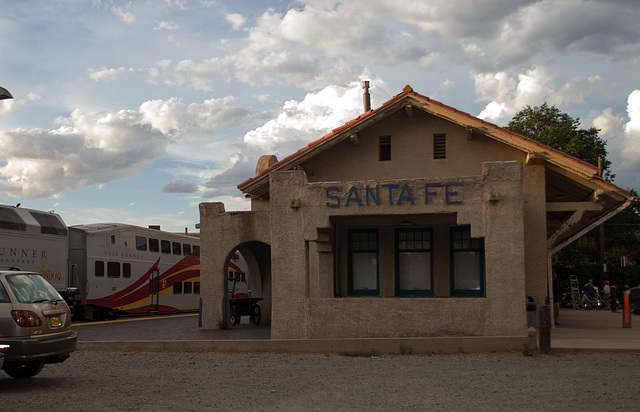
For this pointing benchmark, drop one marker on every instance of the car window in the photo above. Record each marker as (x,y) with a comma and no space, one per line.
(31,288)
(4,297)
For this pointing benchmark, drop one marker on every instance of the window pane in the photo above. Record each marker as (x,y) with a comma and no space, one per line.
(126,270)
(113,269)
(186,249)
(196,288)
(196,251)
(165,246)
(31,288)
(177,248)
(365,271)
(141,243)
(467,266)
(154,245)
(177,288)
(187,287)
(99,268)
(4,296)
(415,271)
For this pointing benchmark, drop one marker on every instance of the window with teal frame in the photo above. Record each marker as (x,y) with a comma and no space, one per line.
(467,263)
(414,262)
(363,262)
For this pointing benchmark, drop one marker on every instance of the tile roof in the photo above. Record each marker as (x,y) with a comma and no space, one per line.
(516,140)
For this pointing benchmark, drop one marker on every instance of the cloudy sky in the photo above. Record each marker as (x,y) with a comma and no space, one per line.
(137,111)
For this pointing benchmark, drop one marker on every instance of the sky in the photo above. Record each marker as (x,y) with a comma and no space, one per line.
(138,111)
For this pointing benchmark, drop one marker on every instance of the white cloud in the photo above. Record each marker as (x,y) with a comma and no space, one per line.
(91,148)
(166,25)
(237,20)
(310,119)
(631,145)
(507,95)
(607,123)
(172,117)
(125,16)
(11,106)
(575,90)
(99,147)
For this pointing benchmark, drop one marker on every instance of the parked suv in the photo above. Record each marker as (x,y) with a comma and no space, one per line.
(35,324)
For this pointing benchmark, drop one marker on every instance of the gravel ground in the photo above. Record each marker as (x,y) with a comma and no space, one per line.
(101,381)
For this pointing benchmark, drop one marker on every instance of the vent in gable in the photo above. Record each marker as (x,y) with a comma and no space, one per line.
(385,148)
(439,146)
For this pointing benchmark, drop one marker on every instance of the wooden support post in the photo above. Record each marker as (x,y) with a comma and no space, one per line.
(544,329)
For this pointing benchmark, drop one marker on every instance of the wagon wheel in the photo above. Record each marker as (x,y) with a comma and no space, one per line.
(256,315)
(235,317)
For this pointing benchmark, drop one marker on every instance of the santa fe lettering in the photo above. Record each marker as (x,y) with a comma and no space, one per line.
(396,194)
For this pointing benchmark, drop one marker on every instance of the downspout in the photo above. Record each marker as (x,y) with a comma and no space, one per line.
(572,239)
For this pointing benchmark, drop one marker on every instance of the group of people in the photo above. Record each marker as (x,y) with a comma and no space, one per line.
(590,291)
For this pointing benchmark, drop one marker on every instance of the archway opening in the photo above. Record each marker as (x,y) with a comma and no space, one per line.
(248,274)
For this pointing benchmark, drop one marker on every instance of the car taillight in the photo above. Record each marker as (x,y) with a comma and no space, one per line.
(26,318)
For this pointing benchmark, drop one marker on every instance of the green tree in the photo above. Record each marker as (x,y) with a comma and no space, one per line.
(548,125)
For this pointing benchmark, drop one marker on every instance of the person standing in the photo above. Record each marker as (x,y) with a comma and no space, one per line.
(590,290)
(606,294)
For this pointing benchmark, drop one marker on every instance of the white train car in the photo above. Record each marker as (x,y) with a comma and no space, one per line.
(36,241)
(131,269)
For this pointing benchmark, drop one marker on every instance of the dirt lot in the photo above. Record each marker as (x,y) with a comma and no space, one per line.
(100,381)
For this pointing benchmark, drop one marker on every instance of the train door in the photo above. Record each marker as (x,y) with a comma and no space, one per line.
(154,290)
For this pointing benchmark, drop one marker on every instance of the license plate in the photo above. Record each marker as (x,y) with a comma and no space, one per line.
(55,321)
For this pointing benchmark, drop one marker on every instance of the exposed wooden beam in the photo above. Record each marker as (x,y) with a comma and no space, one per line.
(534,158)
(409,109)
(573,206)
(565,228)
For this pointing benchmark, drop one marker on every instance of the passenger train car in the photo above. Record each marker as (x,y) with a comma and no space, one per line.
(130,269)
(36,241)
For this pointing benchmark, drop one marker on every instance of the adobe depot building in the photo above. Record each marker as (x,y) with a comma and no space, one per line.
(412,220)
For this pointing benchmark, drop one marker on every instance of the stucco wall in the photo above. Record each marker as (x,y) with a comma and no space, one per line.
(220,234)
(411,152)
(492,205)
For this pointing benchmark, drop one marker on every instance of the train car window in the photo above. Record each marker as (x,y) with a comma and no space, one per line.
(126,270)
(113,269)
(99,268)
(196,250)
(154,245)
(165,246)
(141,243)
(9,219)
(113,239)
(186,249)
(177,248)
(50,224)
(186,287)
(196,288)
(177,288)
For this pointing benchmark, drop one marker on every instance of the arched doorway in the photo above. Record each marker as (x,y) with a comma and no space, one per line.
(249,282)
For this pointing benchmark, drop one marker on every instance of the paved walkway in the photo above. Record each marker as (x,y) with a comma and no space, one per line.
(579,331)
(595,330)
